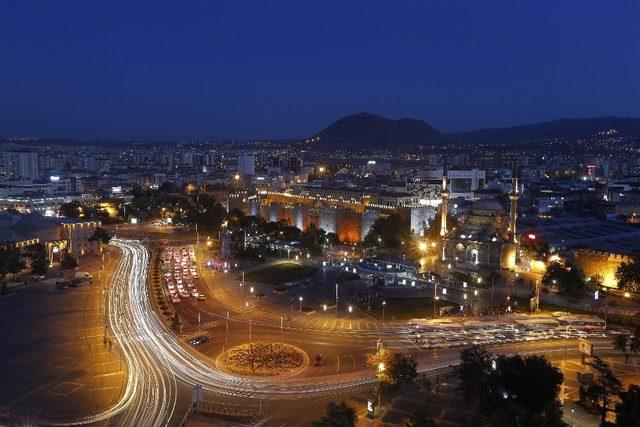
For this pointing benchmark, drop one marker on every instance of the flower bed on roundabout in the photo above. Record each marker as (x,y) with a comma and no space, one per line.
(263,359)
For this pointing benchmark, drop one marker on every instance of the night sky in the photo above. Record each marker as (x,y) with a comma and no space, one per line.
(213,69)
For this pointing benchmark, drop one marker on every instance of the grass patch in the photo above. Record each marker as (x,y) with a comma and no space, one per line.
(280,273)
(407,308)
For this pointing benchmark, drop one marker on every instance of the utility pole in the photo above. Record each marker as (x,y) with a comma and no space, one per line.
(336,300)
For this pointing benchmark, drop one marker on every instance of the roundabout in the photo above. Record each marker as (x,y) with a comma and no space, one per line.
(263,359)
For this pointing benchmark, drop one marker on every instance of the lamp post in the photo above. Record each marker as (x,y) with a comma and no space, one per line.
(300,299)
(381,368)
(435,298)
(383,304)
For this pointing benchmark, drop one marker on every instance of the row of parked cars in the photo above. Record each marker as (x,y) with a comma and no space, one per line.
(180,273)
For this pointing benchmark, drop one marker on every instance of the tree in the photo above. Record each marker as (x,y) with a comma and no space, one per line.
(100,234)
(475,365)
(519,391)
(621,343)
(523,390)
(71,209)
(10,262)
(391,369)
(311,239)
(176,322)
(341,415)
(332,239)
(68,262)
(420,417)
(39,259)
(566,279)
(532,249)
(628,275)
(388,232)
(605,386)
(628,409)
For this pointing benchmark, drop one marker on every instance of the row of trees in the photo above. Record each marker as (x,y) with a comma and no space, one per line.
(312,239)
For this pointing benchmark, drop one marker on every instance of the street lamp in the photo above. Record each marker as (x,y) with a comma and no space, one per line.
(300,304)
(383,304)
(422,246)
(350,310)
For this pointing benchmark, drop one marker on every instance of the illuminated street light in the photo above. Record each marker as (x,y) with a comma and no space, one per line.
(422,246)
(300,305)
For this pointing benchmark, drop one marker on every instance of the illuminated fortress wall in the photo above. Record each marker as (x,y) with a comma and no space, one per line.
(368,218)
(350,221)
(420,218)
(327,219)
(348,224)
(604,264)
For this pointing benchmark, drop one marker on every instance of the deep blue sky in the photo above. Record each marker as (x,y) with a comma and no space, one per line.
(198,69)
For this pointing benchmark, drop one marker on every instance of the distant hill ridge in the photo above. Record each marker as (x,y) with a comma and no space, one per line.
(370,131)
(364,130)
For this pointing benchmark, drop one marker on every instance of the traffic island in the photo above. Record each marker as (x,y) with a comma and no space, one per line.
(263,359)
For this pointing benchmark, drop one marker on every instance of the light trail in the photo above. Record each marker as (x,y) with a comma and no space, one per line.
(149,395)
(143,328)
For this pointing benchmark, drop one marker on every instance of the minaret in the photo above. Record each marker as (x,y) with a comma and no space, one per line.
(514,196)
(444,194)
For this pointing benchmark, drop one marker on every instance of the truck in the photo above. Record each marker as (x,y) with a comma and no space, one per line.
(83,275)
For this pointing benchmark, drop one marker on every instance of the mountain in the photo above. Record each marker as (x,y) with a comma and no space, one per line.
(562,128)
(369,131)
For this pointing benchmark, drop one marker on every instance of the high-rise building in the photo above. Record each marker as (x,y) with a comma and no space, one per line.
(21,165)
(247,164)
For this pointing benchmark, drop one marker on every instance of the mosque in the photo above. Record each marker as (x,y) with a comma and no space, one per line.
(486,236)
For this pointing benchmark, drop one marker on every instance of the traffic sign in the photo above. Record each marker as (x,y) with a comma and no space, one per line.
(585,347)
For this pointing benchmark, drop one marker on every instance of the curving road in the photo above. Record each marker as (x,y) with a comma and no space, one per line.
(156,360)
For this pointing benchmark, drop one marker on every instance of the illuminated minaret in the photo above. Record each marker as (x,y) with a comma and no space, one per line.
(445,201)
(514,196)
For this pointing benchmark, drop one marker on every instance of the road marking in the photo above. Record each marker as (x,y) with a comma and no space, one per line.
(412,343)
(325,323)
